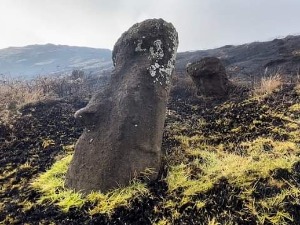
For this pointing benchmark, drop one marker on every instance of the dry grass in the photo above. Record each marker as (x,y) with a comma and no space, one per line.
(14,94)
(268,85)
(196,169)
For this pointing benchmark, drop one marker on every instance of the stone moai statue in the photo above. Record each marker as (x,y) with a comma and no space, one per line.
(124,123)
(210,77)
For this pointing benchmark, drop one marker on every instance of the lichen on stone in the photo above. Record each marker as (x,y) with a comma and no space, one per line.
(139,48)
(162,72)
(156,52)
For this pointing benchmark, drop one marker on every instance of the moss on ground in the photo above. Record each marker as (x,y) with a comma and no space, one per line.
(233,162)
(51,185)
(253,147)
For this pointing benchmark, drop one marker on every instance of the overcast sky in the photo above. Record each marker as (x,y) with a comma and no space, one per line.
(201,24)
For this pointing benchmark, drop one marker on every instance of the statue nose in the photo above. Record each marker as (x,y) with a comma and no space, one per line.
(86,116)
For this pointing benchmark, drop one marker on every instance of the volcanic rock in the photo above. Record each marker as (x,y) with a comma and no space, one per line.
(124,123)
(210,77)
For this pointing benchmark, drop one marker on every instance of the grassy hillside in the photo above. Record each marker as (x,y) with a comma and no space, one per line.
(233,161)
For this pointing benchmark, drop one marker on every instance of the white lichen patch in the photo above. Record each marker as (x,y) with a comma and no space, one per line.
(153,69)
(162,73)
(160,68)
(156,52)
(139,48)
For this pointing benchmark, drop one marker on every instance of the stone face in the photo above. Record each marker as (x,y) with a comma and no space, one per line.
(124,124)
(210,77)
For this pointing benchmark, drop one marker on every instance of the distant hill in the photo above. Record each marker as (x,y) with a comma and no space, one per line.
(252,59)
(34,60)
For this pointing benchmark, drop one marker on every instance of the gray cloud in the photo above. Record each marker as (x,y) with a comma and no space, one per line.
(201,24)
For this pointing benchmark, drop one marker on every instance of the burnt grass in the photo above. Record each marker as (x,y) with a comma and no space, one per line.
(24,155)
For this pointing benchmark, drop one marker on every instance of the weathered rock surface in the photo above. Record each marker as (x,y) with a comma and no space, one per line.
(210,77)
(124,123)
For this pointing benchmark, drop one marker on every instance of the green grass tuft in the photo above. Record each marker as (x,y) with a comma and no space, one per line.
(51,185)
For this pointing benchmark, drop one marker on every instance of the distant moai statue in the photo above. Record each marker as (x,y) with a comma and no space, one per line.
(124,123)
(210,77)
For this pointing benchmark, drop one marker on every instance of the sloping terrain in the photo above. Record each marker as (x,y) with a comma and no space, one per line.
(227,162)
(242,61)
(252,59)
(40,60)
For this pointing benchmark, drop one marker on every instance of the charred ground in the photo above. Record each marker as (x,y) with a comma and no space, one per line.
(199,133)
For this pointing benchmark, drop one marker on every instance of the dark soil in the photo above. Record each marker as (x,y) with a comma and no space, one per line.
(22,144)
